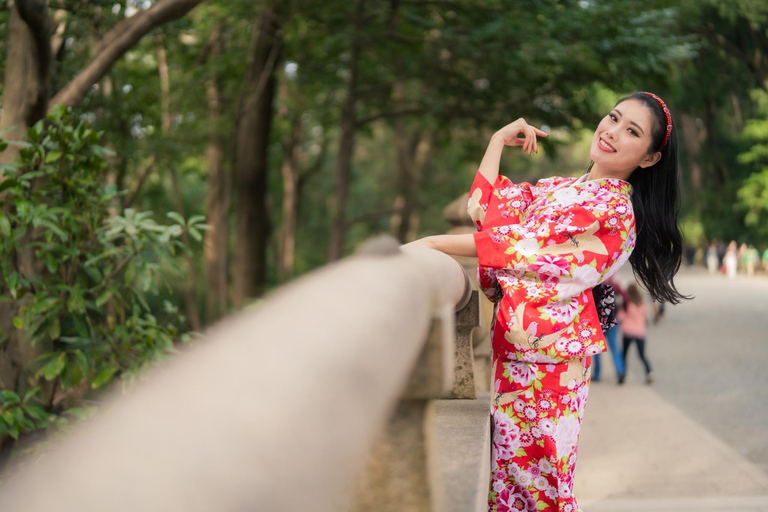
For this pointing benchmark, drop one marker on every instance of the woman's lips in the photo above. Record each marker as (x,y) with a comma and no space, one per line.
(604,148)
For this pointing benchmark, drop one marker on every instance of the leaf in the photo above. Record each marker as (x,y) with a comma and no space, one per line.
(54,368)
(54,328)
(29,394)
(177,217)
(5,225)
(195,234)
(104,376)
(53,156)
(104,298)
(18,322)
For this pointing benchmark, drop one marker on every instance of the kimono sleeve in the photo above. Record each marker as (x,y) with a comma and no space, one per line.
(573,251)
(495,204)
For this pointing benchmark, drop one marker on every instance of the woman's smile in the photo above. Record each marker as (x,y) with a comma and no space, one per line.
(602,144)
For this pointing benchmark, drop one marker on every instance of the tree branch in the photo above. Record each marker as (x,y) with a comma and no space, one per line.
(116,43)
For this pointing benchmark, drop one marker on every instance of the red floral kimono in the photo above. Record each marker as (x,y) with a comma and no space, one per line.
(541,249)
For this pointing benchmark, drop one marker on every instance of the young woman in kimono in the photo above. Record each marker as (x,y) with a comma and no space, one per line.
(541,249)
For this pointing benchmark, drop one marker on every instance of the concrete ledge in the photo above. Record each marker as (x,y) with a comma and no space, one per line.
(723,503)
(458,453)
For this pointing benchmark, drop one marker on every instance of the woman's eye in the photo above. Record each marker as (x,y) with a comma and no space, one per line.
(633,132)
(613,117)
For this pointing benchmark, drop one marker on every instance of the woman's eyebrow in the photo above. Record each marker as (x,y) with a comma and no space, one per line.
(631,122)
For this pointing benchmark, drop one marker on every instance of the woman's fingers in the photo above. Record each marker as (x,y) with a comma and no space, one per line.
(541,132)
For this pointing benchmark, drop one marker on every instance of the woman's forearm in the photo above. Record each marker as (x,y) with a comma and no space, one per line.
(489,166)
(455,245)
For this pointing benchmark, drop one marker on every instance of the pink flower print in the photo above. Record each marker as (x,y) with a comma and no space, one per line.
(500,474)
(544,404)
(506,436)
(522,373)
(530,413)
(534,471)
(526,439)
(547,426)
(515,499)
(549,266)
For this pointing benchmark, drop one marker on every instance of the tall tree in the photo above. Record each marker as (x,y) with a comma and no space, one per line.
(251,140)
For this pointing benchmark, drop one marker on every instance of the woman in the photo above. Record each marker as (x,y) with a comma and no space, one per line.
(541,248)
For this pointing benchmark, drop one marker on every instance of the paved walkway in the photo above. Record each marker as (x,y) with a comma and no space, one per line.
(640,452)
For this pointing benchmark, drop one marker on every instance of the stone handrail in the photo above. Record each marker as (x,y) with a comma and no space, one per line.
(277,407)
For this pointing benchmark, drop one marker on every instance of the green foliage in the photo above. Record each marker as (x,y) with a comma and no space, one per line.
(80,272)
(21,413)
(753,194)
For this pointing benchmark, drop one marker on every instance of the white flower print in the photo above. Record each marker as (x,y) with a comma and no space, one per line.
(544,404)
(514,469)
(498,486)
(518,405)
(545,466)
(592,350)
(561,343)
(568,508)
(551,492)
(567,433)
(563,311)
(527,247)
(566,196)
(536,432)
(541,483)
(575,347)
(582,278)
(524,478)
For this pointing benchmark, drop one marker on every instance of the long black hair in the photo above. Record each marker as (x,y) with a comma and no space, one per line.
(656,204)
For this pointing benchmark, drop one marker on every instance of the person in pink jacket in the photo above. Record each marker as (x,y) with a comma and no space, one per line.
(633,325)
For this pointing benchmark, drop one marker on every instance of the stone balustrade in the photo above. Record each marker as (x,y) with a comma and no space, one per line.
(334,393)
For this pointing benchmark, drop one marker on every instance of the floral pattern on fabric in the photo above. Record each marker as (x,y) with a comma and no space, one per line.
(541,250)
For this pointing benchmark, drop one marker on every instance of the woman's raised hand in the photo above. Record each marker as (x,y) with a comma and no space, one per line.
(509,134)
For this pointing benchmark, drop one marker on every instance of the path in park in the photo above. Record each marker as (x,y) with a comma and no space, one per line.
(697,438)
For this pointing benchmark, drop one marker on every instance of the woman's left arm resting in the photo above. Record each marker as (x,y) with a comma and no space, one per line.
(455,245)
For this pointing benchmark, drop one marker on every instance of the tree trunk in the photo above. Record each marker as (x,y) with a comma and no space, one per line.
(116,42)
(25,97)
(290,171)
(250,157)
(346,141)
(693,137)
(165,101)
(216,202)
(27,71)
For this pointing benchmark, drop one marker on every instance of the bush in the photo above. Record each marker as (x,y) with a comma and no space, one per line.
(78,272)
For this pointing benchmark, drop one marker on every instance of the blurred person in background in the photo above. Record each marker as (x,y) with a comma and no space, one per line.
(712,259)
(541,249)
(634,326)
(731,260)
(751,259)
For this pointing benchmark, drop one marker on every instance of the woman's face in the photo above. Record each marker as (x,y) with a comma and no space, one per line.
(620,143)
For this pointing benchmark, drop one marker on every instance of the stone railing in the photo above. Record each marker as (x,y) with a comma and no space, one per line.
(333,394)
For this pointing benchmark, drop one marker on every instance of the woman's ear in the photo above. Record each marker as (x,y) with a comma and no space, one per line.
(651,159)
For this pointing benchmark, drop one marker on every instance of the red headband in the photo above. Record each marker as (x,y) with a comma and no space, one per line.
(668,116)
